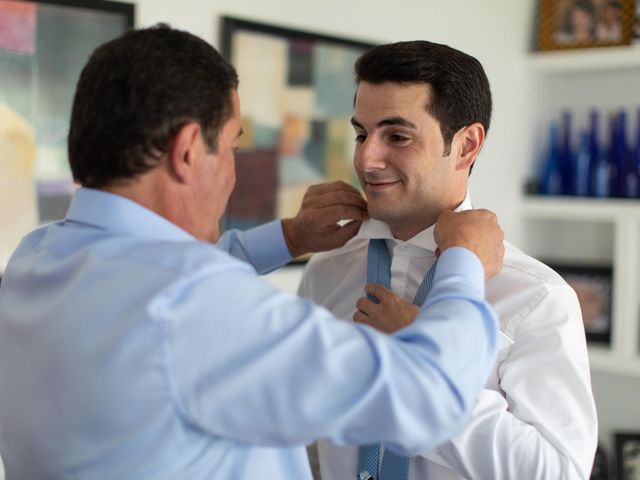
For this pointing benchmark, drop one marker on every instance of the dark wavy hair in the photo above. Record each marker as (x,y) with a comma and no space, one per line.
(460,93)
(133,96)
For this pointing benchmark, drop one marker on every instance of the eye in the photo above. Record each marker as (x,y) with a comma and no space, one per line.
(360,137)
(396,138)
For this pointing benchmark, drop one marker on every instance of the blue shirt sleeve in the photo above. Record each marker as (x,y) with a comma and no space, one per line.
(263,247)
(265,367)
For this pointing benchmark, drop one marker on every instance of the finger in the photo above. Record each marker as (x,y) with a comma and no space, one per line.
(325,199)
(334,186)
(360,317)
(348,231)
(333,214)
(379,291)
(365,305)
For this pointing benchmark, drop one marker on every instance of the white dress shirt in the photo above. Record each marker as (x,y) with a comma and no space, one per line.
(536,417)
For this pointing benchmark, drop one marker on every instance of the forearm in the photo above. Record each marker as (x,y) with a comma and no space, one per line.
(263,247)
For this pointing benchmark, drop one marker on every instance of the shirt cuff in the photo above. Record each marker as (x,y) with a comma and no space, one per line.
(459,261)
(268,247)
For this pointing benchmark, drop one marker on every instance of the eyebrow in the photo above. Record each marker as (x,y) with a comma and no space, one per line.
(397,121)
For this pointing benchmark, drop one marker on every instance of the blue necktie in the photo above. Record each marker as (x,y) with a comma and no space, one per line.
(394,467)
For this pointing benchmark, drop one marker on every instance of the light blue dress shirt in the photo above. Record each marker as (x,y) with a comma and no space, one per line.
(128,349)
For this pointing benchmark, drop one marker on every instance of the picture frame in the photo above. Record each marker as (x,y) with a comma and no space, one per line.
(594,287)
(575,24)
(44,45)
(636,24)
(296,90)
(627,452)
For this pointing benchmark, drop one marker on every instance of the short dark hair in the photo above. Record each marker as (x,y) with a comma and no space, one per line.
(133,96)
(460,93)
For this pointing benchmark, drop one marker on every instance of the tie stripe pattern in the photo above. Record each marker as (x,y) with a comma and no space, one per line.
(393,467)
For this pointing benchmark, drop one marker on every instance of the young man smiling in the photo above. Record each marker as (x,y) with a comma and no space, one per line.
(422,111)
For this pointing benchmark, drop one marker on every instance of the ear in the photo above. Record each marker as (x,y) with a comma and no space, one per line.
(469,140)
(184,151)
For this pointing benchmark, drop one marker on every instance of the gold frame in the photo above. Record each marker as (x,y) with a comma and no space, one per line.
(554,21)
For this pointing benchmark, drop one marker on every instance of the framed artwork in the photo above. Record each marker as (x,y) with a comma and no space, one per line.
(628,455)
(594,287)
(566,24)
(296,91)
(43,47)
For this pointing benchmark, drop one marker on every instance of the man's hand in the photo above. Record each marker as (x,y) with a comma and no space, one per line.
(315,228)
(391,314)
(476,230)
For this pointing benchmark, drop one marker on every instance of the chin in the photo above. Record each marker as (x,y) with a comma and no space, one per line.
(382,214)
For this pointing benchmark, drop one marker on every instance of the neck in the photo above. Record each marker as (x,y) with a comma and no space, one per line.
(406,228)
(154,193)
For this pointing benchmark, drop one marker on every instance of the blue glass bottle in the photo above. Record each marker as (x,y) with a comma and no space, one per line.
(634,165)
(612,155)
(594,151)
(550,181)
(582,165)
(625,179)
(566,160)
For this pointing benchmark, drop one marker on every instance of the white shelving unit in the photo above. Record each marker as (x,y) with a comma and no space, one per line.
(623,217)
(591,230)
(598,59)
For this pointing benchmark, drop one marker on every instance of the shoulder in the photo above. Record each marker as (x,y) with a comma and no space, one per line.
(519,266)
(524,285)
(188,257)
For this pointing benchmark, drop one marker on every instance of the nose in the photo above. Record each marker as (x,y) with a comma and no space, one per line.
(369,155)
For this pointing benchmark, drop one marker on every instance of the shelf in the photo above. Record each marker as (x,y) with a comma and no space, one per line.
(585,60)
(603,360)
(580,208)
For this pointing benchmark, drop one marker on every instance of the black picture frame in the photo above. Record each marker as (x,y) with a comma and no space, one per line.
(594,287)
(295,133)
(627,451)
(45,46)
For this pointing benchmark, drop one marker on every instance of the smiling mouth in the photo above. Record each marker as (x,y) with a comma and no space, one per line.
(380,185)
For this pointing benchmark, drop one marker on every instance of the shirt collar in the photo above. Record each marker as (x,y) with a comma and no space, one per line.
(117,214)
(372,228)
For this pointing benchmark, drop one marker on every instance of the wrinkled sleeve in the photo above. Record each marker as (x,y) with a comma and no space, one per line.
(263,247)
(261,366)
(546,423)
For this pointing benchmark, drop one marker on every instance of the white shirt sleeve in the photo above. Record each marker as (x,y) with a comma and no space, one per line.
(543,422)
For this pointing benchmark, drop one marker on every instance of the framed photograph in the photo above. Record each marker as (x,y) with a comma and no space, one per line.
(636,24)
(566,24)
(594,287)
(296,91)
(628,455)
(43,47)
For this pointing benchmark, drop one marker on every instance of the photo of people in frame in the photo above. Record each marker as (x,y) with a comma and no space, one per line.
(589,21)
(565,24)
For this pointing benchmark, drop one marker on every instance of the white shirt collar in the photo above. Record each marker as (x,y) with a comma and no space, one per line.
(377,229)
